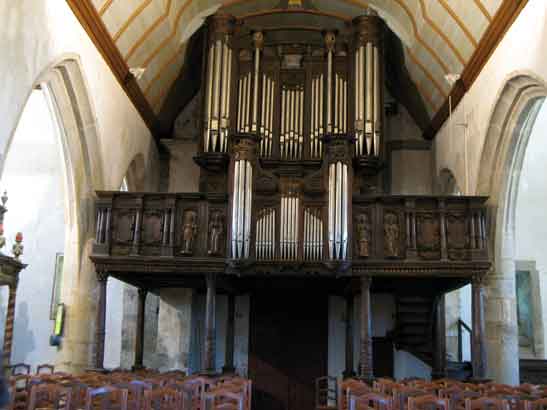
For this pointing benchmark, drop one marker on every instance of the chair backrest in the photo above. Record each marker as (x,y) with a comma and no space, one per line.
(372,401)
(402,394)
(457,396)
(196,387)
(224,399)
(50,396)
(350,387)
(45,369)
(20,368)
(428,402)
(162,399)
(539,404)
(106,398)
(18,389)
(486,403)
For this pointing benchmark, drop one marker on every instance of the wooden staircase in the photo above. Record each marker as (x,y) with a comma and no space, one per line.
(414,326)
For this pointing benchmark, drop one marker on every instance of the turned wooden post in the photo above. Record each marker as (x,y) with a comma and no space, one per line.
(210,326)
(102,278)
(139,339)
(439,358)
(348,372)
(229,353)
(478,351)
(366,369)
(8,330)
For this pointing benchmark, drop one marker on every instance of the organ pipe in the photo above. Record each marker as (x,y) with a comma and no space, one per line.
(338,210)
(368,84)
(241,209)
(217,85)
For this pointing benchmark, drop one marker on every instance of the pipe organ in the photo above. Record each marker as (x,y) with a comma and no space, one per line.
(303,111)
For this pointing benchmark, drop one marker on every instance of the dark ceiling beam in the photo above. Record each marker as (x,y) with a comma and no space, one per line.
(90,20)
(502,21)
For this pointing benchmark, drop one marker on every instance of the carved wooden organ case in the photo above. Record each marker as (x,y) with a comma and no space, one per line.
(291,132)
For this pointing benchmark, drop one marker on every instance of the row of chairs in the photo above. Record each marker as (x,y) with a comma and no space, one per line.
(143,390)
(445,394)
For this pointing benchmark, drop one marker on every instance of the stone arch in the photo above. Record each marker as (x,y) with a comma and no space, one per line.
(501,160)
(65,88)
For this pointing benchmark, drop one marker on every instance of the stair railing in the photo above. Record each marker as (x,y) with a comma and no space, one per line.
(462,326)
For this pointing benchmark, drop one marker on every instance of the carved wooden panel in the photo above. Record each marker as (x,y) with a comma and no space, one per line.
(152,232)
(124,226)
(457,235)
(428,235)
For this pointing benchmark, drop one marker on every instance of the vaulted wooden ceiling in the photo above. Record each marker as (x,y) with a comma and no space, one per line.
(439,37)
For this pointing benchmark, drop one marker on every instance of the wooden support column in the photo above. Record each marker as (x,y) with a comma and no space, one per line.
(139,339)
(439,358)
(230,333)
(210,326)
(8,330)
(366,369)
(348,372)
(102,278)
(478,345)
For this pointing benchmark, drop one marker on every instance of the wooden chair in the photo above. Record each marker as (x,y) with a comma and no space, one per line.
(457,396)
(350,387)
(135,393)
(428,402)
(539,404)
(371,401)
(196,387)
(402,394)
(222,399)
(50,396)
(162,399)
(18,389)
(106,398)
(45,369)
(486,403)
(326,393)
(20,368)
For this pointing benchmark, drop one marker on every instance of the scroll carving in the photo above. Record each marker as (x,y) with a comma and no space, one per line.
(216,233)
(189,231)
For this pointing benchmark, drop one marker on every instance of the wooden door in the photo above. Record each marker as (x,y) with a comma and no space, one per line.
(288,349)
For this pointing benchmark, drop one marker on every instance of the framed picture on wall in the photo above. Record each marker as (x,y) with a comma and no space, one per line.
(57,281)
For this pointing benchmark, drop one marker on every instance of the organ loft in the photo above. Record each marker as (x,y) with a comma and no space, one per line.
(294,209)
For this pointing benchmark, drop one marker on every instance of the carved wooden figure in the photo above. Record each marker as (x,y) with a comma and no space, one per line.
(363,235)
(189,232)
(391,235)
(216,233)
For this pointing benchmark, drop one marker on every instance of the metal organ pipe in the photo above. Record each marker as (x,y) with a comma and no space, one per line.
(377,103)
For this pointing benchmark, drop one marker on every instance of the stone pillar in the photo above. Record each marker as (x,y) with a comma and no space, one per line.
(208,366)
(102,278)
(229,354)
(348,372)
(478,345)
(366,369)
(139,339)
(8,330)
(439,358)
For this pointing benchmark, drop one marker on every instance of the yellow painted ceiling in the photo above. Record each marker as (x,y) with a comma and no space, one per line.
(439,36)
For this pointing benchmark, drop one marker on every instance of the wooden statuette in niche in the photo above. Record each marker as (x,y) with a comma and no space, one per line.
(391,235)
(363,231)
(216,233)
(189,231)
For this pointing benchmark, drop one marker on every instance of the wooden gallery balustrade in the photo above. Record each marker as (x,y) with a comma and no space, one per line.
(187,234)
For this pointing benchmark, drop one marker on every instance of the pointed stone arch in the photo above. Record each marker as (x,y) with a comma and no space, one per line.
(509,128)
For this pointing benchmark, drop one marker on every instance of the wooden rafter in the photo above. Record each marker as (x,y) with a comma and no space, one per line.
(90,20)
(501,22)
